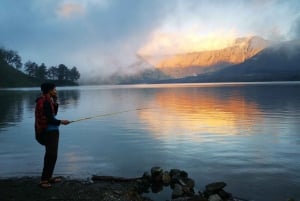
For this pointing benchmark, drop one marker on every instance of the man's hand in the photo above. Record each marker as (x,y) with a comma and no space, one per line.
(64,122)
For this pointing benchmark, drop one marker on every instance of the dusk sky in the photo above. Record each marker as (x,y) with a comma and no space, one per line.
(100,37)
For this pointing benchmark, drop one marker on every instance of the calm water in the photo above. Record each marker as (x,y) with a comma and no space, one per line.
(247,135)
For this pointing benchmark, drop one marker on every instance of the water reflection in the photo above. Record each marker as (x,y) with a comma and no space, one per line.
(194,110)
(15,103)
(215,132)
(12,107)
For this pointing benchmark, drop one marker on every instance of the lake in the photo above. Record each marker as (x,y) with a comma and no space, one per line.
(246,134)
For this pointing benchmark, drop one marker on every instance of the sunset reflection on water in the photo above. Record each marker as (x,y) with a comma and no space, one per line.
(189,112)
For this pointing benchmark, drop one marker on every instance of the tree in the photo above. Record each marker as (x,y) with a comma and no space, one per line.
(74,74)
(62,73)
(31,68)
(41,71)
(11,58)
(52,73)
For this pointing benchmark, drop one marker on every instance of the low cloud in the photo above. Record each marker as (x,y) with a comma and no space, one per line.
(101,37)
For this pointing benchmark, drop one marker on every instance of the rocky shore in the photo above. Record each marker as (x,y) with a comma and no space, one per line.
(110,188)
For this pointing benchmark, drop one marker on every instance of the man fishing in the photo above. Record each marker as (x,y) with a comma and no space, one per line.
(47,131)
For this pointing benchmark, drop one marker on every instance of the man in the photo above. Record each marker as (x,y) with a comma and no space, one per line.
(47,131)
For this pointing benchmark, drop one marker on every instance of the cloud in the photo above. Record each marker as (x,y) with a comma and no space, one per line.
(100,37)
(295,29)
(197,26)
(70,9)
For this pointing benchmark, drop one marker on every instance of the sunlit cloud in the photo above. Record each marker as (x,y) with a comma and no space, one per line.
(164,43)
(68,10)
(93,35)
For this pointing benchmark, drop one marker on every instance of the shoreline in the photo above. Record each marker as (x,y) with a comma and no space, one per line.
(111,188)
(108,188)
(28,189)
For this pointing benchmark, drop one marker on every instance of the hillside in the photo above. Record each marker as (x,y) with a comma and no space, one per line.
(279,62)
(189,64)
(10,77)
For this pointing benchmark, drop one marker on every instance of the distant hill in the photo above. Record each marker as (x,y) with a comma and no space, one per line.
(190,64)
(10,77)
(279,62)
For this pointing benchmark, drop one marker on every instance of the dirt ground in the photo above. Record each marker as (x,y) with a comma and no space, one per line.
(27,189)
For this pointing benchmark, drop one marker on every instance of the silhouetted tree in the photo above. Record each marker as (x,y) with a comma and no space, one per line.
(11,58)
(42,72)
(31,68)
(74,74)
(52,73)
(62,72)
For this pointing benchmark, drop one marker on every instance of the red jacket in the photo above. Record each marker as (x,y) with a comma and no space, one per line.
(41,120)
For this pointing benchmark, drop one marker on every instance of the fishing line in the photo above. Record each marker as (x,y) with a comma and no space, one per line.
(107,114)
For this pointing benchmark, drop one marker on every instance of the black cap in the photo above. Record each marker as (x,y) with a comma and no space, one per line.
(47,86)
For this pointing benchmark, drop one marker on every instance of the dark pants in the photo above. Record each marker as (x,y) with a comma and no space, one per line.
(51,147)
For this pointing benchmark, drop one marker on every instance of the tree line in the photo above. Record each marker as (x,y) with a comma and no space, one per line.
(60,72)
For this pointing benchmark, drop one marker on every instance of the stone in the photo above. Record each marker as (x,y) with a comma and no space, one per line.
(166,178)
(156,171)
(146,176)
(215,187)
(189,182)
(177,192)
(156,187)
(197,198)
(183,174)
(174,172)
(156,174)
(188,191)
(224,195)
(214,197)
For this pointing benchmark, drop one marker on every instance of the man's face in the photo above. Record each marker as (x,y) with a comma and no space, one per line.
(53,92)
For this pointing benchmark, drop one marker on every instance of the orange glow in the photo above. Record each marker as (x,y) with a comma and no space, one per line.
(69,9)
(162,43)
(189,49)
(191,113)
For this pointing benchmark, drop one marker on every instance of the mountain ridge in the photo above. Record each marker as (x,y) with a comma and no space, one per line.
(279,62)
(194,63)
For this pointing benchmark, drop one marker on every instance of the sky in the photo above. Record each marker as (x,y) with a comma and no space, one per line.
(102,37)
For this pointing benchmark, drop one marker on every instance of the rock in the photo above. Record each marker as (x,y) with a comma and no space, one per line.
(146,176)
(166,178)
(177,192)
(197,198)
(224,195)
(215,187)
(143,185)
(178,172)
(189,182)
(214,197)
(174,172)
(187,191)
(156,187)
(156,174)
(156,171)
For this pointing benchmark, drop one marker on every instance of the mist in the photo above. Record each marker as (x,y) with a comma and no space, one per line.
(105,37)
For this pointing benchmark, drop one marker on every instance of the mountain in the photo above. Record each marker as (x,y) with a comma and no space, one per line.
(190,64)
(280,62)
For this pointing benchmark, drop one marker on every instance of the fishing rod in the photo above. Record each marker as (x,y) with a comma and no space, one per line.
(107,114)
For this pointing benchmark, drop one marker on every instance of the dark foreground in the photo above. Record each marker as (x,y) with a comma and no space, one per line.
(109,188)
(27,189)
